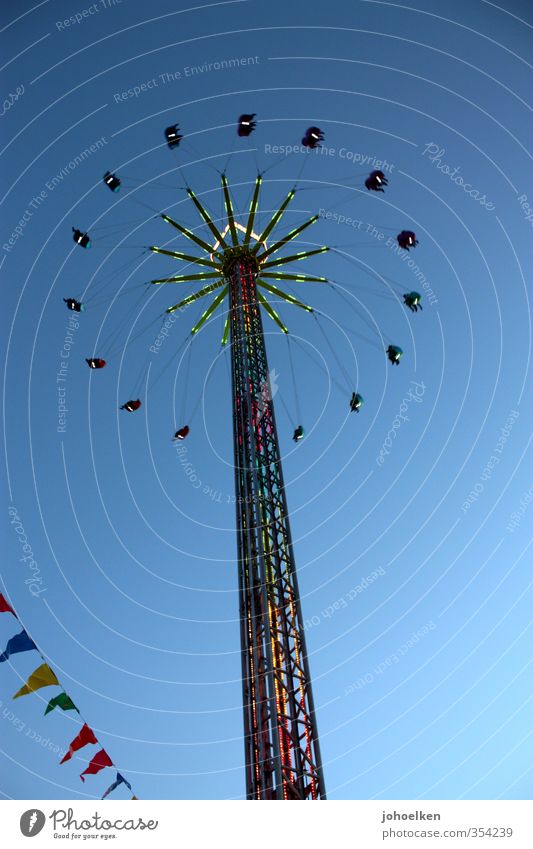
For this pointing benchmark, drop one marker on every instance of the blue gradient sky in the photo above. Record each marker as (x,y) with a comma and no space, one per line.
(422,678)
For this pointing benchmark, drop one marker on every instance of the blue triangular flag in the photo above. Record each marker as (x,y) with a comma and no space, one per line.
(120,780)
(20,642)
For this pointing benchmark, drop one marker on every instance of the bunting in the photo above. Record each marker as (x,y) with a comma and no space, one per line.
(42,677)
(85,737)
(5,607)
(18,643)
(120,780)
(100,760)
(61,701)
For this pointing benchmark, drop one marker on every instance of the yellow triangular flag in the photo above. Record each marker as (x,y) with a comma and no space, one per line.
(42,677)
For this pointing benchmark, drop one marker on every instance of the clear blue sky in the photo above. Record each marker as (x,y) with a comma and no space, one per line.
(422,678)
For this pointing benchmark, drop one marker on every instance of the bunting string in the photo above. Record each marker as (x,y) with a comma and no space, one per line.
(44,676)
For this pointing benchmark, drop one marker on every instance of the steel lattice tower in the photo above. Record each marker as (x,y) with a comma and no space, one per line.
(282,752)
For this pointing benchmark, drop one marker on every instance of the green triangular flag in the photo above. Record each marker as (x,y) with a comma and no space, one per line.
(62,701)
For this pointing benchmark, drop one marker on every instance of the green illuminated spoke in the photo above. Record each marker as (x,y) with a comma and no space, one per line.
(289,298)
(229,211)
(207,218)
(274,220)
(186,257)
(182,278)
(196,296)
(288,238)
(271,312)
(210,310)
(302,278)
(293,258)
(226,331)
(253,210)
(191,236)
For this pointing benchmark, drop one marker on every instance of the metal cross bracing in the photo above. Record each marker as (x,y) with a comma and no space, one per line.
(281,740)
(282,753)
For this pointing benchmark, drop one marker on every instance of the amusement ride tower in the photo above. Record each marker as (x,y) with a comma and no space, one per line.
(282,753)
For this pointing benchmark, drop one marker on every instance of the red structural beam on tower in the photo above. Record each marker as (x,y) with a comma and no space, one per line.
(281,740)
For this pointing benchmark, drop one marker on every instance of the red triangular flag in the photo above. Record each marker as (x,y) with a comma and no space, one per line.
(100,760)
(5,607)
(84,737)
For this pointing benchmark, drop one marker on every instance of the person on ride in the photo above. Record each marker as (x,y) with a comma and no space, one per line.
(394,354)
(181,433)
(112,181)
(131,406)
(298,433)
(80,238)
(73,304)
(246,125)
(376,181)
(172,135)
(407,239)
(412,300)
(313,137)
(356,402)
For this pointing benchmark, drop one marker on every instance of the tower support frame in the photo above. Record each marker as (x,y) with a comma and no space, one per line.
(282,751)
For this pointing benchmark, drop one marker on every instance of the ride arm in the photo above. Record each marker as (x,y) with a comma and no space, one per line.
(186,257)
(196,296)
(207,218)
(288,238)
(229,211)
(210,310)
(183,278)
(271,312)
(190,235)
(283,295)
(253,210)
(274,220)
(302,278)
(285,259)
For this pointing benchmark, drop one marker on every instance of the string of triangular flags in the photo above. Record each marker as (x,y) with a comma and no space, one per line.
(44,676)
